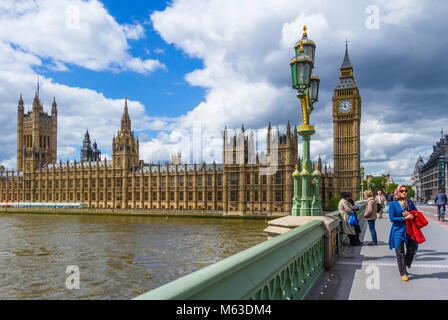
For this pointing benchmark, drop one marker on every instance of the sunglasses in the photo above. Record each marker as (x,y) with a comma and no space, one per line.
(403,191)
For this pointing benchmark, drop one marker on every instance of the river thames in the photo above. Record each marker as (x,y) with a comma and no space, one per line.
(117,257)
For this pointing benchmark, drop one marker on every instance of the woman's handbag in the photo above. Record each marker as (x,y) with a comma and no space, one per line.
(352,220)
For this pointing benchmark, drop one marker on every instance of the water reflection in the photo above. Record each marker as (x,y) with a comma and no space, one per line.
(118,257)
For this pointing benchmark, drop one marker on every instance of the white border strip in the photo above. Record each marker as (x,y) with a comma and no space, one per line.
(439,266)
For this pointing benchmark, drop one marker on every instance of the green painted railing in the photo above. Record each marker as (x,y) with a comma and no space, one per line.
(285,267)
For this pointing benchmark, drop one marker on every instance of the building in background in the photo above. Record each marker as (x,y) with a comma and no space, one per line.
(89,153)
(347,131)
(416,180)
(434,172)
(247,182)
(36,135)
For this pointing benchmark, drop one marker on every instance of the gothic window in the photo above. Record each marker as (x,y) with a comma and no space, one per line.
(209,180)
(278,195)
(181,196)
(190,181)
(248,178)
(248,196)
(163,195)
(256,195)
(190,195)
(163,181)
(264,195)
(233,178)
(200,181)
(119,196)
(209,196)
(200,196)
(154,196)
(181,181)
(171,181)
(171,196)
(264,179)
(220,180)
(279,178)
(233,195)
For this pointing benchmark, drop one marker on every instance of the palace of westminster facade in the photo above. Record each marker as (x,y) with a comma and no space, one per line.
(242,184)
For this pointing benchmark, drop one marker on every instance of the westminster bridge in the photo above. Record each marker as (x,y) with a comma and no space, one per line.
(294,265)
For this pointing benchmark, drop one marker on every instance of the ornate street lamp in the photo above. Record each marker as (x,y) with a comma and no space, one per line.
(307,85)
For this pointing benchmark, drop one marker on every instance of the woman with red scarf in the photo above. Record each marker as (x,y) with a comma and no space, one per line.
(398,214)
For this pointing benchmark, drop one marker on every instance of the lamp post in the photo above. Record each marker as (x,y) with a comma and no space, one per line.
(361,195)
(307,85)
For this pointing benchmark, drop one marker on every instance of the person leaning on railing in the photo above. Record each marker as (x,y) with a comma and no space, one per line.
(346,209)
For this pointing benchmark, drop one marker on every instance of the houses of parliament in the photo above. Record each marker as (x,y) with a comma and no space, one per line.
(239,185)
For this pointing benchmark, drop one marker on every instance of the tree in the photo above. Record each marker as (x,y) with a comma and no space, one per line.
(390,188)
(333,203)
(411,192)
(378,184)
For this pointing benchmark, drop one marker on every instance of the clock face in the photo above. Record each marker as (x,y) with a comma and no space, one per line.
(345,106)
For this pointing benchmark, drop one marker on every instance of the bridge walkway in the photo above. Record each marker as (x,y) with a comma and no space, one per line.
(371,273)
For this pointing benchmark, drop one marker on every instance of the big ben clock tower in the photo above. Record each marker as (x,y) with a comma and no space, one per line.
(347,133)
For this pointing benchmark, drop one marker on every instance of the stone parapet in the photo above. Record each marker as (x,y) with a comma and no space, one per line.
(330,223)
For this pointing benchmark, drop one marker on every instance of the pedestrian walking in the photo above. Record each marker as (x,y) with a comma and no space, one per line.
(346,209)
(441,201)
(398,214)
(370,214)
(380,204)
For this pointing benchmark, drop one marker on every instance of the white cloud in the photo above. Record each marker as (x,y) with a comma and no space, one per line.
(246,46)
(134,32)
(72,32)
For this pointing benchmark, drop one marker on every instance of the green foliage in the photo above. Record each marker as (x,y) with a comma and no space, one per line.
(391,188)
(411,192)
(333,203)
(378,184)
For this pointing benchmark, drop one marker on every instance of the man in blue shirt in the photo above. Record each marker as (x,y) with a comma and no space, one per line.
(441,201)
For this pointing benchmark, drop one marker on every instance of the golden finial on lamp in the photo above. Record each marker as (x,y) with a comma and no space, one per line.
(301,46)
(304,31)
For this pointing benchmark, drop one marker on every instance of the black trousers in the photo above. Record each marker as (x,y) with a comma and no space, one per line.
(405,259)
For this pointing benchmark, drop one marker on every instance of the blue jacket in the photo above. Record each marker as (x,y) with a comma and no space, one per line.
(398,232)
(441,199)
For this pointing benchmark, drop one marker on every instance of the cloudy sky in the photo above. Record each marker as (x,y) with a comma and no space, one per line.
(190,66)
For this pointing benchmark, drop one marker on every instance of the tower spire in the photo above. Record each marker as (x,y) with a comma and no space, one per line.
(346,63)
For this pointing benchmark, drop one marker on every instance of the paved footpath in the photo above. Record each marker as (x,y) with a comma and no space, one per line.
(371,273)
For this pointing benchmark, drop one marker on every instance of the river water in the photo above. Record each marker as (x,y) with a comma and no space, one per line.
(117,257)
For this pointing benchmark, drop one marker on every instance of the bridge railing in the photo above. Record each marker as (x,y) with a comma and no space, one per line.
(285,267)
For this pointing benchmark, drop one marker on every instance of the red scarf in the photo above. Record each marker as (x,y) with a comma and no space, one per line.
(413,226)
